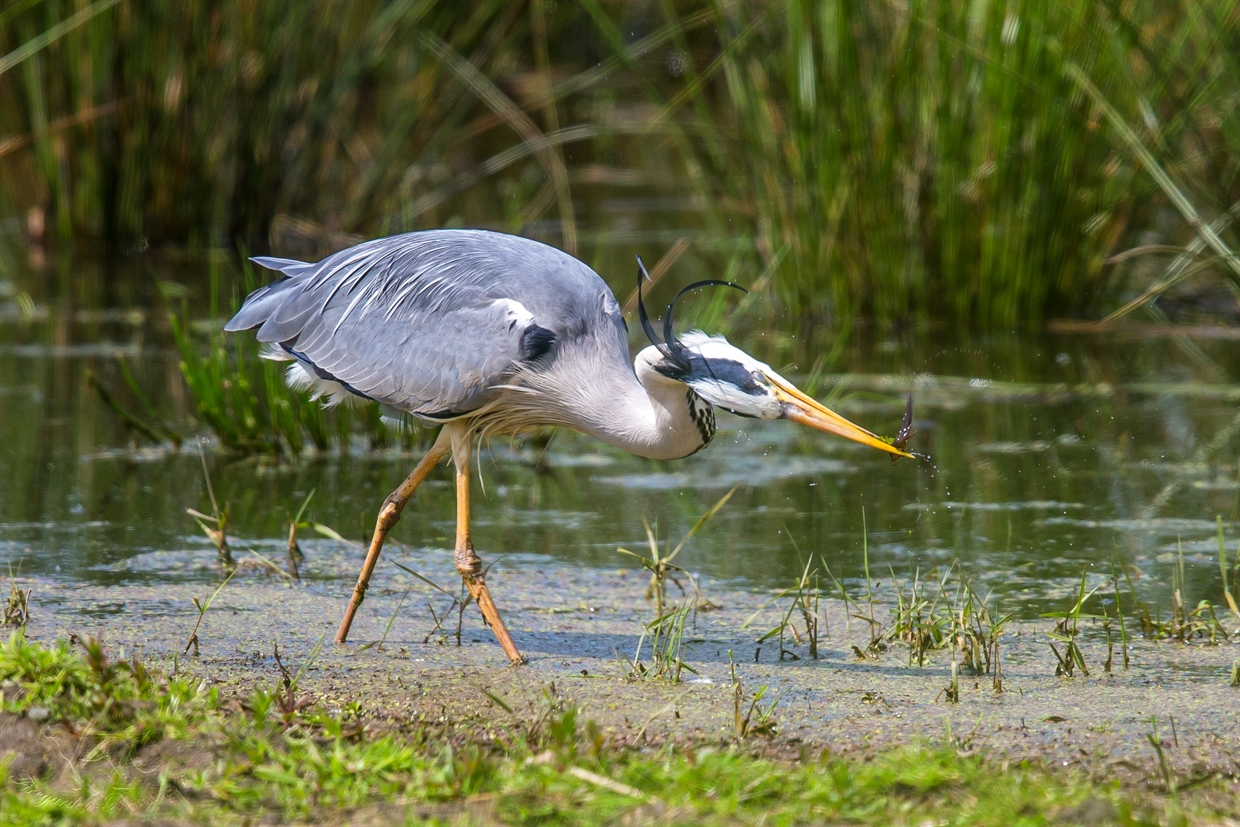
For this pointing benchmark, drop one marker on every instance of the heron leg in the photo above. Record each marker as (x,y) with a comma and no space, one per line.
(389,514)
(468,564)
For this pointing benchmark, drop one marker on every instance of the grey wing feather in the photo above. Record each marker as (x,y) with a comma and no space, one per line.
(431,322)
(287,266)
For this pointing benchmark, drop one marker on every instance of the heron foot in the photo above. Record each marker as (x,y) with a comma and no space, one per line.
(469,566)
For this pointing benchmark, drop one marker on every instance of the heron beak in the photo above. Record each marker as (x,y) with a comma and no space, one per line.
(799,408)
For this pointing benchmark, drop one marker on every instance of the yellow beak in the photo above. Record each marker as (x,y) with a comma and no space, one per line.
(804,410)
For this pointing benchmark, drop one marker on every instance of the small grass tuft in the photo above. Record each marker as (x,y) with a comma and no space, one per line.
(951,692)
(953,615)
(215,524)
(805,603)
(746,725)
(660,564)
(1066,630)
(17,609)
(667,647)
(202,606)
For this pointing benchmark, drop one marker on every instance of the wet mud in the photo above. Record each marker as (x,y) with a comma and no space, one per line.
(580,630)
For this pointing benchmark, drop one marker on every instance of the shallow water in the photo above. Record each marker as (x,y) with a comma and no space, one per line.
(1048,452)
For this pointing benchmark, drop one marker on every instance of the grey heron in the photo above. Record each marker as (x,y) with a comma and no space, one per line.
(491,334)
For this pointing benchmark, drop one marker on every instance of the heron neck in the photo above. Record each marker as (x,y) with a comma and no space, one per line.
(637,409)
(653,417)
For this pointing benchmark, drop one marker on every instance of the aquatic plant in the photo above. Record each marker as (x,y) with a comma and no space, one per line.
(297,524)
(17,607)
(666,634)
(745,724)
(201,606)
(805,594)
(245,399)
(1066,630)
(951,692)
(151,424)
(215,524)
(952,616)
(1184,624)
(459,602)
(660,564)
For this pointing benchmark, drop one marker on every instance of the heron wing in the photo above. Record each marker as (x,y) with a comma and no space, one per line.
(431,322)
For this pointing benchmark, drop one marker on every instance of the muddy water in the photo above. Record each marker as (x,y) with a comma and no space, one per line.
(1048,452)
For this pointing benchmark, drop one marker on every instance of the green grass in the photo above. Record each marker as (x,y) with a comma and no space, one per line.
(118,702)
(273,756)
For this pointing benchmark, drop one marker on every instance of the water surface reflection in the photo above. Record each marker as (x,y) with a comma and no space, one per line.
(1050,452)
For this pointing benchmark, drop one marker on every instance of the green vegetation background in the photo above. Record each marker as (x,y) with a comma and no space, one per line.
(976,162)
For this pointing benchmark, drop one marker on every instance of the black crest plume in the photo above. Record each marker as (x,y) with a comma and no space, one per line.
(670,347)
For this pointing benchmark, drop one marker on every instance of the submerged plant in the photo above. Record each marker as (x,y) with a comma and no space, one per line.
(152,424)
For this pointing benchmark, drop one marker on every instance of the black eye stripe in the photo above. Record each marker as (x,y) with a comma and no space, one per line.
(733,373)
(724,371)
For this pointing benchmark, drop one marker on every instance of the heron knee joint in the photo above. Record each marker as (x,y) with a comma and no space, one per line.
(468,564)
(389,514)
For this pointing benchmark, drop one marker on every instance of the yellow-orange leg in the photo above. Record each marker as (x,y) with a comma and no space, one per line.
(389,514)
(468,564)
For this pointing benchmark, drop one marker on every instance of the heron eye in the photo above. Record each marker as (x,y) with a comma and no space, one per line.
(758,377)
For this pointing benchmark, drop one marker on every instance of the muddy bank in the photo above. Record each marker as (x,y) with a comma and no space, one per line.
(577,627)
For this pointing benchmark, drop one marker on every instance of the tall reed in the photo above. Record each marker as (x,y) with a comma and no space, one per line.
(979,162)
(203,123)
(933,159)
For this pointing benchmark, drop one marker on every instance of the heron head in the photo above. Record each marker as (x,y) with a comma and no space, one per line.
(729,378)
